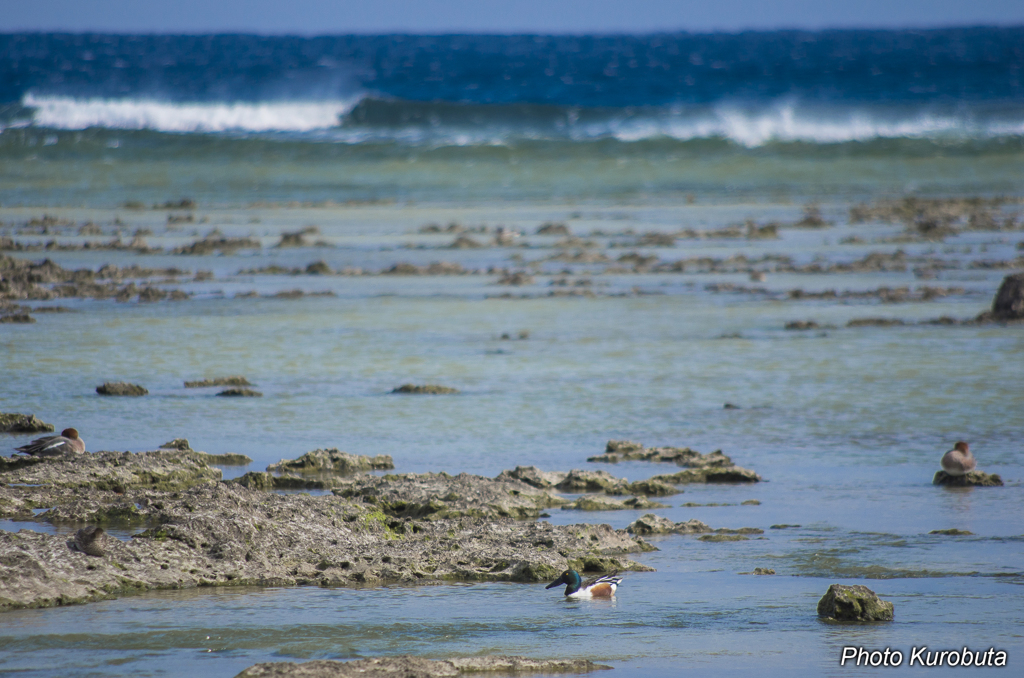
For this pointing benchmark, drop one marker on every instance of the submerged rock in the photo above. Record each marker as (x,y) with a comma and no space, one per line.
(972,478)
(427,389)
(333,460)
(240,393)
(219,381)
(592,502)
(764,570)
(626,450)
(652,524)
(417,667)
(854,603)
(22,423)
(954,532)
(725,474)
(121,388)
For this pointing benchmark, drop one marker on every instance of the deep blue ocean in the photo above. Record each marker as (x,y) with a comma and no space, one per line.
(750,88)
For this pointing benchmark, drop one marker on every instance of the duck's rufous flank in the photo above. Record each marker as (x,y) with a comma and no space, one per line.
(599,587)
(55,446)
(959,460)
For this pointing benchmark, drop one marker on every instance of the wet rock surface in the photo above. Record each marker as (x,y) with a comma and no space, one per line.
(854,603)
(725,474)
(160,469)
(240,393)
(971,479)
(652,524)
(23,423)
(1008,304)
(592,502)
(626,450)
(219,381)
(426,389)
(418,667)
(121,388)
(332,460)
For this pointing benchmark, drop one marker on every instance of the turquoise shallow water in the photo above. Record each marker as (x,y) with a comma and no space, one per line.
(845,424)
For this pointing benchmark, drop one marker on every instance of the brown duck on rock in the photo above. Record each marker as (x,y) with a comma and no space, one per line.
(959,461)
(55,446)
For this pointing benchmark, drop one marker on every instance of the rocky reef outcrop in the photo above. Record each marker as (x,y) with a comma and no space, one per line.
(854,603)
(418,667)
(23,423)
(970,479)
(121,388)
(202,532)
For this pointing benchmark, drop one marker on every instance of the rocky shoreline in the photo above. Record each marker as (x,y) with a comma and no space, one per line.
(201,531)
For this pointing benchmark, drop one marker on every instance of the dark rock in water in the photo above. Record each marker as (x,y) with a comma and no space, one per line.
(728,474)
(953,532)
(782,526)
(972,478)
(593,481)
(176,444)
(22,423)
(853,603)
(592,502)
(219,381)
(533,476)
(1008,304)
(17,318)
(627,450)
(417,667)
(652,524)
(552,228)
(333,461)
(653,488)
(90,541)
(240,393)
(731,406)
(427,389)
(802,325)
(764,570)
(121,388)
(875,322)
(723,537)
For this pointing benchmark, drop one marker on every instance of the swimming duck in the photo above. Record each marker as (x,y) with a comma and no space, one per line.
(599,587)
(958,461)
(55,446)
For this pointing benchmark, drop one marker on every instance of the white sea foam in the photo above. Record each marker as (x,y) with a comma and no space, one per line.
(61,112)
(750,127)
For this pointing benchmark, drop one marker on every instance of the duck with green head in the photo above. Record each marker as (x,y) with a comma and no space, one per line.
(599,587)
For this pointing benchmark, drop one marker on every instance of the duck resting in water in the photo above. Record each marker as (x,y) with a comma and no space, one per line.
(55,446)
(599,587)
(959,461)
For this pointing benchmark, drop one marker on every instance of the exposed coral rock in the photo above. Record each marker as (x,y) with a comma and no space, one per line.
(972,478)
(593,481)
(726,474)
(121,388)
(22,423)
(625,450)
(332,460)
(652,524)
(161,469)
(593,502)
(417,667)
(428,389)
(854,603)
(531,475)
(219,381)
(240,393)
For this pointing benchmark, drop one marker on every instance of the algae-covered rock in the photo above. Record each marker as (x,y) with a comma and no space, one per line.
(23,423)
(426,389)
(722,537)
(854,603)
(256,480)
(970,479)
(418,667)
(652,524)
(332,460)
(240,393)
(121,388)
(593,502)
(438,495)
(626,450)
(593,481)
(653,488)
(763,570)
(177,444)
(531,475)
(162,469)
(725,474)
(952,532)
(219,381)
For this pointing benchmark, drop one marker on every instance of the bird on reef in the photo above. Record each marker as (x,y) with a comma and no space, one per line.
(959,461)
(89,540)
(55,446)
(599,587)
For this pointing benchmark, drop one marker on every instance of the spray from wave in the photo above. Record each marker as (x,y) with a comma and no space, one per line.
(362,119)
(60,112)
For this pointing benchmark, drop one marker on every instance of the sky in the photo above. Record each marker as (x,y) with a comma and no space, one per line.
(320,17)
